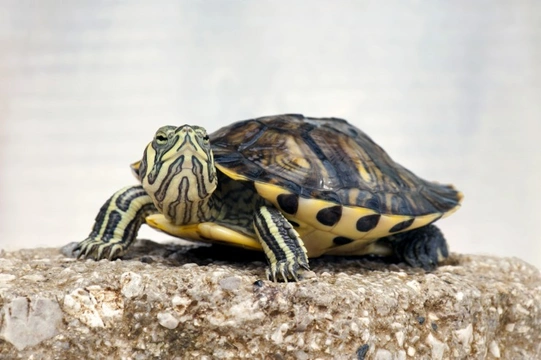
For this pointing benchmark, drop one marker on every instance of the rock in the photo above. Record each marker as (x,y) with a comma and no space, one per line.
(132,284)
(27,322)
(167,320)
(208,303)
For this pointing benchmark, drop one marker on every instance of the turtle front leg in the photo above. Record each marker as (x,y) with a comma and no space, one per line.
(117,224)
(282,245)
(424,247)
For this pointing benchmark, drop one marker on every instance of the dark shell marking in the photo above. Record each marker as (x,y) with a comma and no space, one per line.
(320,159)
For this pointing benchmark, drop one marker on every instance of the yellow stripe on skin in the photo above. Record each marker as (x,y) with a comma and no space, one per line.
(117,224)
(268,252)
(126,216)
(180,181)
(275,233)
(284,264)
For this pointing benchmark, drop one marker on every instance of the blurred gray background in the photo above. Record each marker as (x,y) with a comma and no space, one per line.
(451,89)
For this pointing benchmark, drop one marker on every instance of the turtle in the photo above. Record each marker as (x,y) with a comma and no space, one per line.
(294,187)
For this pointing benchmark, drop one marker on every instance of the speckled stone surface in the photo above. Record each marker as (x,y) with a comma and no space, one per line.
(171,302)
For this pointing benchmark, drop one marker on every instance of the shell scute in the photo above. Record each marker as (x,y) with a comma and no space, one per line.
(327,160)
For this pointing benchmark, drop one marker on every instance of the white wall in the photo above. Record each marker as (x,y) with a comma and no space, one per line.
(452,90)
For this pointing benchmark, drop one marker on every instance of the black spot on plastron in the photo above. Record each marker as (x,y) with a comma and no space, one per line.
(329,216)
(289,203)
(342,240)
(361,351)
(367,223)
(401,226)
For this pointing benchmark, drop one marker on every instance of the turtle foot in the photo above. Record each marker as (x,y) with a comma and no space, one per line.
(424,247)
(93,248)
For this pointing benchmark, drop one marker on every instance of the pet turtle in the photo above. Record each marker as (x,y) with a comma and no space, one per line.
(292,186)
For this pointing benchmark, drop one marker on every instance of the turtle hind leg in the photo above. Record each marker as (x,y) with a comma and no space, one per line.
(283,247)
(117,224)
(424,247)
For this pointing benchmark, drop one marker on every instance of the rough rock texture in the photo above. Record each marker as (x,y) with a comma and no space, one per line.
(170,302)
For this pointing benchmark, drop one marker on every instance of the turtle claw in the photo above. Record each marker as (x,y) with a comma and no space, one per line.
(92,248)
(287,270)
(280,271)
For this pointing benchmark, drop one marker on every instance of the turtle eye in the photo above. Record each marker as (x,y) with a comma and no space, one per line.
(161,139)
(201,134)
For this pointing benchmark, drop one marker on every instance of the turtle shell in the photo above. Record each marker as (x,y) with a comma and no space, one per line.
(329,174)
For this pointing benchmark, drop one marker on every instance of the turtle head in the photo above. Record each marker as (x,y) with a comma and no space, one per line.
(178,172)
